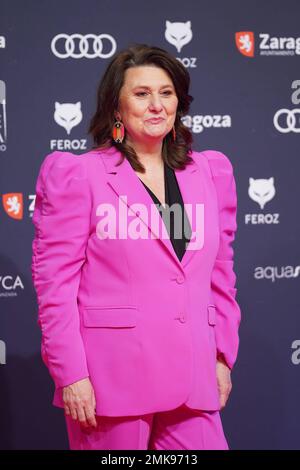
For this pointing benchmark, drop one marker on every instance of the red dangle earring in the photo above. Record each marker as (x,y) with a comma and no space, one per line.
(174,133)
(118,132)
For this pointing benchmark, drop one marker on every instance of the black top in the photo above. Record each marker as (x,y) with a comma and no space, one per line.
(172,196)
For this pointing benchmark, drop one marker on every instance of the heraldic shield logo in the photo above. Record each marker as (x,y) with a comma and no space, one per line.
(244,41)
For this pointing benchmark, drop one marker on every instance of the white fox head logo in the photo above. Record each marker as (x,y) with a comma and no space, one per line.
(261,190)
(68,115)
(178,34)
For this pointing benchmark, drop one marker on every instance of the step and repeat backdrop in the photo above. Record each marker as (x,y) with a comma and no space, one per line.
(244,62)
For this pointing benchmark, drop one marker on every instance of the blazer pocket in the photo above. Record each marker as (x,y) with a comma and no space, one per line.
(211,314)
(110,317)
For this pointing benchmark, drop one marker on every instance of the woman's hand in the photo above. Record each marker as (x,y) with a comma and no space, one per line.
(80,403)
(224,381)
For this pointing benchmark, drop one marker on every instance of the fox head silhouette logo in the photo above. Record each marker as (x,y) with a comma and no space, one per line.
(261,190)
(68,115)
(178,34)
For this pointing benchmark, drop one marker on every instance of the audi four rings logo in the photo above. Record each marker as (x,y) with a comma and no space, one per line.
(290,120)
(78,46)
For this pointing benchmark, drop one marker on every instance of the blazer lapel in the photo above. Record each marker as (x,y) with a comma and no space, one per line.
(127,185)
(190,182)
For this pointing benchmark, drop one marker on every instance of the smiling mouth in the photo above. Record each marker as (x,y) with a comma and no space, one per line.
(155,120)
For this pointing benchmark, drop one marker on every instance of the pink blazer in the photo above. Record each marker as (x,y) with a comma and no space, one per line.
(124,311)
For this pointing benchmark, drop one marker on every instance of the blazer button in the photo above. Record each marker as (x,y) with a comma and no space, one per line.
(180,279)
(182,318)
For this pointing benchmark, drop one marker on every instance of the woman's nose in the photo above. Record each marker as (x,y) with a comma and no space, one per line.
(155,103)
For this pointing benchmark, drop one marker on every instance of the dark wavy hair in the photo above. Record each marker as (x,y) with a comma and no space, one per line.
(174,153)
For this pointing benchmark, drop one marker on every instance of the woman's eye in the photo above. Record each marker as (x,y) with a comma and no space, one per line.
(144,93)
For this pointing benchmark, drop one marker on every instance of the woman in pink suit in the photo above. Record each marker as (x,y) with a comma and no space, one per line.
(133,269)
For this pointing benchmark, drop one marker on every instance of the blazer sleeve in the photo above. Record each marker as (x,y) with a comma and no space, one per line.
(223,277)
(61,219)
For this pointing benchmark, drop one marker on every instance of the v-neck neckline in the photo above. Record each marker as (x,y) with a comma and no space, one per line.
(163,206)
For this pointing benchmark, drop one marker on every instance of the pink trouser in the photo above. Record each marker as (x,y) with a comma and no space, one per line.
(178,429)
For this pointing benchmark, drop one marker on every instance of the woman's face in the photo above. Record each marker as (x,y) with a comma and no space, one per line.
(147,104)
